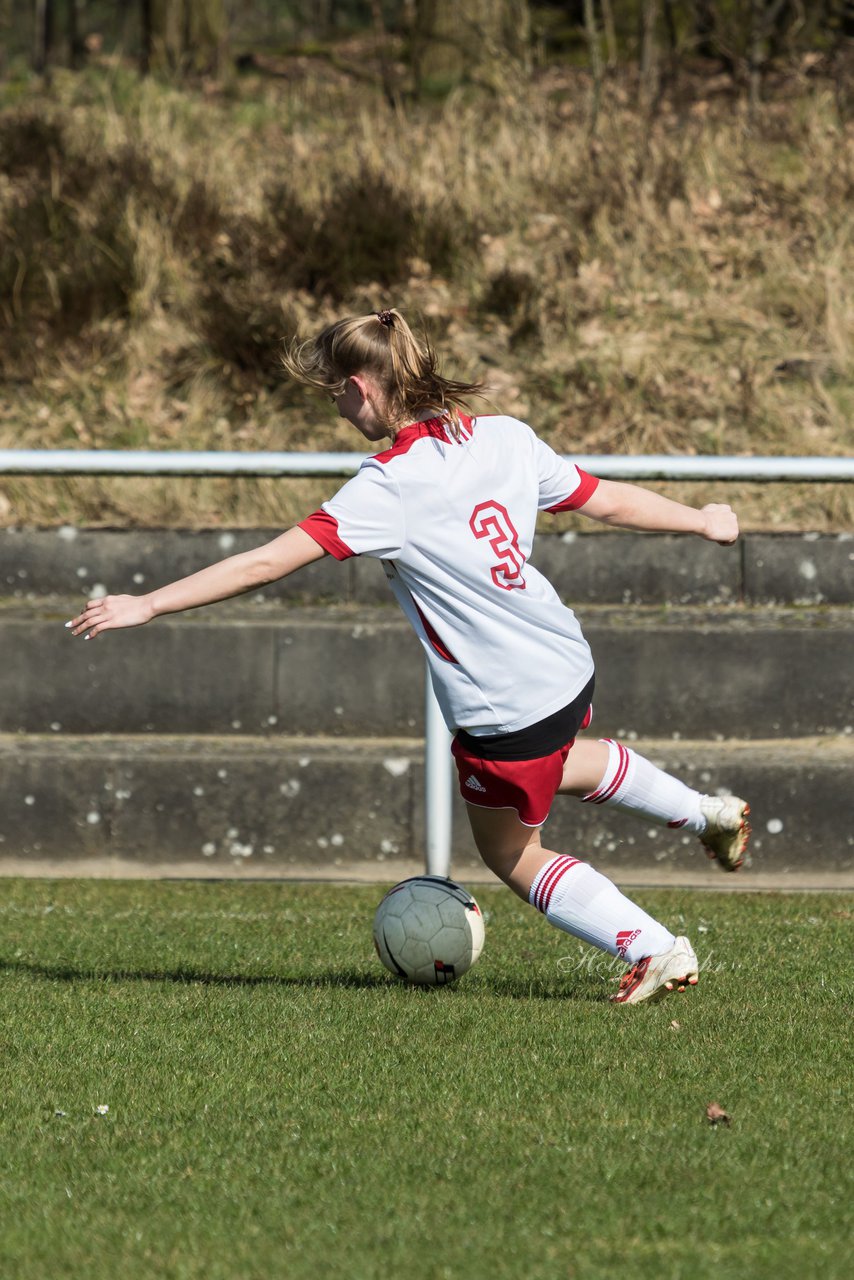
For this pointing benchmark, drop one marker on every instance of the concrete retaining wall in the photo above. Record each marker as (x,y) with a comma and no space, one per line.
(270,669)
(603,568)
(282,733)
(310,803)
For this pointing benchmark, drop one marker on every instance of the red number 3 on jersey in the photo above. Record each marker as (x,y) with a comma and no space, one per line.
(490,520)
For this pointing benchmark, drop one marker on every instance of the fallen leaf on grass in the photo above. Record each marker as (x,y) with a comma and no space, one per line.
(715,1114)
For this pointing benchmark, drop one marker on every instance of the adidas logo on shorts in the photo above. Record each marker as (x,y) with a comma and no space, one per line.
(474,784)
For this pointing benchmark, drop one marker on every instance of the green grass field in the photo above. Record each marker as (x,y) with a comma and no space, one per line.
(280,1107)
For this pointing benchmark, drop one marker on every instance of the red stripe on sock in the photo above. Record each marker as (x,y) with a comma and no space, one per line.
(552,869)
(570,863)
(606,792)
(550,881)
(593,796)
(619,778)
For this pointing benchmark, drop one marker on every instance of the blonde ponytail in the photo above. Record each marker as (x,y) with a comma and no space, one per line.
(383,345)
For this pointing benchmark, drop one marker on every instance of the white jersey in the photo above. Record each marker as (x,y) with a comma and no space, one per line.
(453,523)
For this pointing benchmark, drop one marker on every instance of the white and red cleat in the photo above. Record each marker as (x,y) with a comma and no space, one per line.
(654,976)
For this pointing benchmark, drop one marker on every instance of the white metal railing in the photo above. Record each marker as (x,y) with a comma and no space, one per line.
(141,462)
(437,766)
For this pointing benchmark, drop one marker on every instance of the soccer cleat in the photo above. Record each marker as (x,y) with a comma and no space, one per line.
(653,976)
(727,829)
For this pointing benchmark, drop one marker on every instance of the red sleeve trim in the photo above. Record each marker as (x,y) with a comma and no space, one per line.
(323,527)
(587,486)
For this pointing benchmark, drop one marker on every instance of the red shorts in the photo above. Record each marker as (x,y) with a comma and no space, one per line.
(528,786)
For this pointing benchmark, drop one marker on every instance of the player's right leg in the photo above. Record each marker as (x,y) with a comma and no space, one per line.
(609,773)
(575,897)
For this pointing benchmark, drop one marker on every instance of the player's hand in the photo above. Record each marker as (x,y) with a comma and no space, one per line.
(110,613)
(721,523)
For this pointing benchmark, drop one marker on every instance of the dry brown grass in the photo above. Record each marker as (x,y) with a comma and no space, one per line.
(684,286)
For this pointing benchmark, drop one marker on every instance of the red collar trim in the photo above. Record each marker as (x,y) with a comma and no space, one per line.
(408,436)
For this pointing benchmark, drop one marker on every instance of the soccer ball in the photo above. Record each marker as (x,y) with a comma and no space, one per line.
(428,930)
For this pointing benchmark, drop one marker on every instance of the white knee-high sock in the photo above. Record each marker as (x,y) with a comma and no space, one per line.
(634,785)
(577,898)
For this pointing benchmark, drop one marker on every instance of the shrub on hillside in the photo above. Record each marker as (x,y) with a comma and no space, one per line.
(69,257)
(367,229)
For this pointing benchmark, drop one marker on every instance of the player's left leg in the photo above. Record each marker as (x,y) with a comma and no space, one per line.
(575,897)
(609,773)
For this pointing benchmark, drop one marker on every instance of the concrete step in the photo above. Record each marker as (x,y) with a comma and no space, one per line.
(599,567)
(254,807)
(273,668)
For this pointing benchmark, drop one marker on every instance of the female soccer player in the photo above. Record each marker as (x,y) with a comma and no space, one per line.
(450,509)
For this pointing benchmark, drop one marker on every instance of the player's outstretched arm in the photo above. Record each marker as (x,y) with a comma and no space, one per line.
(629,506)
(231,577)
